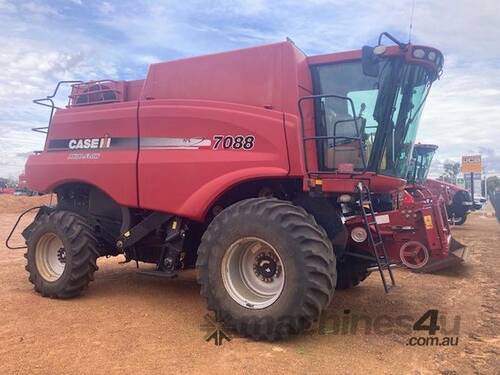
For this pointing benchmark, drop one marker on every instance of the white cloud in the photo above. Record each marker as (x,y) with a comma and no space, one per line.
(39,9)
(7,7)
(106,8)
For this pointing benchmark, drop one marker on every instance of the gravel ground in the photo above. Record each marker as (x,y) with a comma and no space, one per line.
(130,323)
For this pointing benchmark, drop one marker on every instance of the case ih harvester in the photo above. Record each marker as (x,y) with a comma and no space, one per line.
(243,164)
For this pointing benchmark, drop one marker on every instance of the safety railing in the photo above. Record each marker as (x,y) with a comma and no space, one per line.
(325,138)
(48,101)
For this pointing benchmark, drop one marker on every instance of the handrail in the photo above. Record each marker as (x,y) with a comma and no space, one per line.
(41,129)
(52,106)
(334,137)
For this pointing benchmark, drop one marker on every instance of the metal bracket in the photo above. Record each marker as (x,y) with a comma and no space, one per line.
(42,210)
(141,230)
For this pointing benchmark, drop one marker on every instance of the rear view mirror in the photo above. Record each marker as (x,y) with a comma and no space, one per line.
(370,62)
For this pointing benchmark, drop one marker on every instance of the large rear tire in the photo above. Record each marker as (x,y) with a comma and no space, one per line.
(266,268)
(61,255)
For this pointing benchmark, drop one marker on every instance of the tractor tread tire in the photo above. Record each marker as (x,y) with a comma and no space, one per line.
(312,254)
(81,249)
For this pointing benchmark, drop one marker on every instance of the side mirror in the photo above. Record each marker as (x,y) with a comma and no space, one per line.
(369,61)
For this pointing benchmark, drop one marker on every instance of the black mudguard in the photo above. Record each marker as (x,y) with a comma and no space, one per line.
(44,210)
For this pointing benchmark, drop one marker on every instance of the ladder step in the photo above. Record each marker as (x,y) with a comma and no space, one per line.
(384,266)
(376,241)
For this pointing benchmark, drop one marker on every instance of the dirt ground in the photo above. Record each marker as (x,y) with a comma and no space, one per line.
(131,323)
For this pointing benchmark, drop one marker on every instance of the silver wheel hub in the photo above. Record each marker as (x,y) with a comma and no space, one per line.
(252,273)
(50,257)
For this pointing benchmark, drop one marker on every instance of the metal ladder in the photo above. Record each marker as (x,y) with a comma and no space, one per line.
(376,240)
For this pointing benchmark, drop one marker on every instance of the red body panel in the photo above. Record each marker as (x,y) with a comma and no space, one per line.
(112,170)
(264,77)
(186,181)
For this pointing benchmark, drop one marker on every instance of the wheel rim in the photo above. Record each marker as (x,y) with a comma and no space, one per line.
(414,254)
(50,257)
(253,273)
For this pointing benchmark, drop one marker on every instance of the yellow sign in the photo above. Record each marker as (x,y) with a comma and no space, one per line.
(471,164)
(428,221)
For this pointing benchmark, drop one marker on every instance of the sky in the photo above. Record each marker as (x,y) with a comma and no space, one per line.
(42,42)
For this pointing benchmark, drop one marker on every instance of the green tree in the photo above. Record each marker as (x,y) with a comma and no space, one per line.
(493,183)
(451,171)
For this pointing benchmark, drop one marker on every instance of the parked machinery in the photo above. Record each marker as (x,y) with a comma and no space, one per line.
(242,164)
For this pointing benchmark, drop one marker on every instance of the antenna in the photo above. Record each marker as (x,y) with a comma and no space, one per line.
(411,21)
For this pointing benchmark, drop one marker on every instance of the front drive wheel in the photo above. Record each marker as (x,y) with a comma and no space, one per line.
(266,268)
(61,255)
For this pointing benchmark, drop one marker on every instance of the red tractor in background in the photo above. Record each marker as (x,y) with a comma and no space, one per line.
(5,187)
(22,186)
(243,164)
(22,183)
(458,200)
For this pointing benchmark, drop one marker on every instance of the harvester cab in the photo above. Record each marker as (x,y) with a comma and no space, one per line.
(421,163)
(366,109)
(367,106)
(250,166)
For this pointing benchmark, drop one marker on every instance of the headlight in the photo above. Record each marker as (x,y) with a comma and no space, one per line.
(419,53)
(432,56)
(359,234)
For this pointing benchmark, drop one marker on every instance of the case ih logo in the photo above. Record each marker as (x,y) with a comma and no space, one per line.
(89,143)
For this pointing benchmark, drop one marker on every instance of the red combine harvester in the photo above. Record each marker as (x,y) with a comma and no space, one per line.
(416,231)
(240,164)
